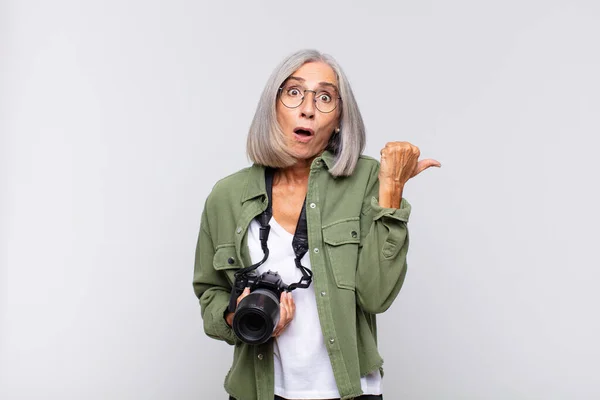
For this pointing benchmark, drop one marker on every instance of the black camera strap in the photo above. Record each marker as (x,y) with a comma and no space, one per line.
(300,246)
(299,242)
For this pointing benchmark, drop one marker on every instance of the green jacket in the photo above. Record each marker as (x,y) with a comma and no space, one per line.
(358,258)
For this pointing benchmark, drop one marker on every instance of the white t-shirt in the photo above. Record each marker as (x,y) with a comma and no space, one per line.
(302,366)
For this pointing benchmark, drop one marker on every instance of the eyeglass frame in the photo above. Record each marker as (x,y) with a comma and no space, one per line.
(302,101)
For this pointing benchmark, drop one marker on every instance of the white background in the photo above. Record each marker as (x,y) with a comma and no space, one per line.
(117,117)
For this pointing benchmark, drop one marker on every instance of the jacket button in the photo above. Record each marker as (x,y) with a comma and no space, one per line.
(239,229)
(354,234)
(260,356)
(316,250)
(332,340)
(231,260)
(312,205)
(323,294)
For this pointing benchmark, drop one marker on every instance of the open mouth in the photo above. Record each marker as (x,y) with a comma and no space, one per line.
(303,132)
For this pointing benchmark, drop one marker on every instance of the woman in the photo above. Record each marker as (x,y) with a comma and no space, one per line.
(309,131)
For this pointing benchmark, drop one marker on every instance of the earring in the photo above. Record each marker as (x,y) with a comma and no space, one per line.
(337,130)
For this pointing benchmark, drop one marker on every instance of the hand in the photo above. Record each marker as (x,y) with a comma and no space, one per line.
(229,316)
(399,163)
(287,309)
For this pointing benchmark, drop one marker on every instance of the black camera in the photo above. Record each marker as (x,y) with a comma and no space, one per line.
(257,314)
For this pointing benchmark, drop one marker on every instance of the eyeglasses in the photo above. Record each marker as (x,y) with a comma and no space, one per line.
(292,95)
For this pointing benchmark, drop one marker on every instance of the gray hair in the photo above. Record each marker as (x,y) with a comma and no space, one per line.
(266,142)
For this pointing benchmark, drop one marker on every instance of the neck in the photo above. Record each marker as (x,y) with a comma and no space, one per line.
(294,174)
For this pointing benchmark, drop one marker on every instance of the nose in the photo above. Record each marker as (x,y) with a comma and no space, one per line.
(307,108)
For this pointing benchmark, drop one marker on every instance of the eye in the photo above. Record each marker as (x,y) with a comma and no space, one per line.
(324,97)
(293,92)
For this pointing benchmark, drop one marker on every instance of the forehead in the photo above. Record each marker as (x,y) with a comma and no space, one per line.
(315,73)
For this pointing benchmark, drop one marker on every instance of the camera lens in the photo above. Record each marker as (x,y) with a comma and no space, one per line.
(252,326)
(256,317)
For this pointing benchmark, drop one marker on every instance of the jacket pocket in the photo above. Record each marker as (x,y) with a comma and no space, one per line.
(343,238)
(226,260)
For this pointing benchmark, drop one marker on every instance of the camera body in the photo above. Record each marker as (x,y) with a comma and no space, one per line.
(269,280)
(257,314)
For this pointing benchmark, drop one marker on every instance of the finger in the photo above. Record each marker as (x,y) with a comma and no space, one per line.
(283,314)
(245,293)
(282,305)
(424,164)
(280,325)
(292,306)
(286,306)
(282,317)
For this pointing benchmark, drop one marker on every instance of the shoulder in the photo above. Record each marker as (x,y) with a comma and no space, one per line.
(366,169)
(229,188)
(231,182)
(367,163)
(224,203)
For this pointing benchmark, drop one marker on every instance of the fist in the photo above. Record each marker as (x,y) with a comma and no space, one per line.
(400,162)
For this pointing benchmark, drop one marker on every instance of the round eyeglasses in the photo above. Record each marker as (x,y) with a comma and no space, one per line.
(292,95)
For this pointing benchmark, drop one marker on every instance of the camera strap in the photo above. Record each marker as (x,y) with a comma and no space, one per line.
(300,239)
(299,242)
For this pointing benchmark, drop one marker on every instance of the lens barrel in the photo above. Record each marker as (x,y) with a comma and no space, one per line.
(256,317)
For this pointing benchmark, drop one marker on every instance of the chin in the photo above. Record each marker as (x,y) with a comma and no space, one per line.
(300,157)
(302,152)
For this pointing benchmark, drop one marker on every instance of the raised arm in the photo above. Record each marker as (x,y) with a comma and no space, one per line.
(382,260)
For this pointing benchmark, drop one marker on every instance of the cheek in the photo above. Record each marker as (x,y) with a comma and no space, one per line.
(332,121)
(334,117)
(283,116)
(278,114)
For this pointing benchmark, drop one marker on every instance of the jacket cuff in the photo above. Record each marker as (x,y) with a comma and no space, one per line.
(401,214)
(224,330)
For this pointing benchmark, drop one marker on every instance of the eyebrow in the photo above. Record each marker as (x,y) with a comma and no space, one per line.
(297,78)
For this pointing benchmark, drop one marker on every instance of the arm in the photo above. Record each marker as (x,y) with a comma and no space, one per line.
(382,259)
(211,287)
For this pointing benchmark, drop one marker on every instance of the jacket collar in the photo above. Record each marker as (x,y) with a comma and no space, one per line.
(328,159)
(255,184)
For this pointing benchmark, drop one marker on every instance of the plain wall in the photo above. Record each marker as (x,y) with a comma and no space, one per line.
(117,117)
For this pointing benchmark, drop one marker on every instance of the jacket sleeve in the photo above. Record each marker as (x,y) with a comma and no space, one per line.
(382,257)
(211,287)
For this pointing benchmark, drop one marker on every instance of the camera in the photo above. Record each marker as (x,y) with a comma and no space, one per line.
(257,314)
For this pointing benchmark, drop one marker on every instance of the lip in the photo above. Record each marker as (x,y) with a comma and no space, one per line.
(304,129)
(303,138)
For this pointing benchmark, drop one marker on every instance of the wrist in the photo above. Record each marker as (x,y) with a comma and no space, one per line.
(390,193)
